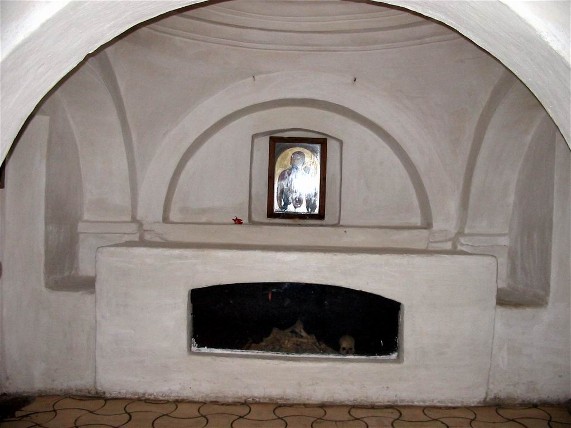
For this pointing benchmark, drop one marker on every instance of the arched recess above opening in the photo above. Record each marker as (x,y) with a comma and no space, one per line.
(318,91)
(396,193)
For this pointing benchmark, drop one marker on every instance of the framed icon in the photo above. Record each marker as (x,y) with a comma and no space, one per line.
(296,177)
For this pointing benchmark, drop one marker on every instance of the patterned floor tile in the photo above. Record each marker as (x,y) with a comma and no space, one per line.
(37,417)
(41,404)
(79,403)
(64,418)
(508,424)
(224,409)
(220,421)
(82,412)
(299,410)
(97,426)
(386,413)
(299,421)
(17,424)
(168,421)
(456,422)
(488,414)
(109,420)
(418,424)
(339,424)
(249,423)
(141,419)
(533,423)
(449,412)
(261,412)
(412,414)
(522,412)
(337,413)
(558,414)
(186,410)
(377,421)
(162,408)
(113,406)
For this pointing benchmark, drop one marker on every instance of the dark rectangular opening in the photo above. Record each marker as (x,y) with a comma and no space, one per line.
(293,318)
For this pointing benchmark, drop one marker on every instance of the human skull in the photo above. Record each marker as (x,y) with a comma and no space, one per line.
(347,345)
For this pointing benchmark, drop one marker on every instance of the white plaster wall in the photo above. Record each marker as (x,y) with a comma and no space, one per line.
(63,194)
(532,346)
(438,147)
(3,373)
(398,89)
(499,159)
(375,191)
(142,318)
(92,235)
(48,336)
(531,227)
(100,142)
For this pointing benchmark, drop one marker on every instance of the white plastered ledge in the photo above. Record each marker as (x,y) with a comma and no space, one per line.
(142,326)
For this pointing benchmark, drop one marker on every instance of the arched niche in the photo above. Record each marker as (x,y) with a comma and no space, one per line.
(531,223)
(496,220)
(318,91)
(233,169)
(509,129)
(63,196)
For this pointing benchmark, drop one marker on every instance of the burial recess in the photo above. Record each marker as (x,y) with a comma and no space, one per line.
(293,318)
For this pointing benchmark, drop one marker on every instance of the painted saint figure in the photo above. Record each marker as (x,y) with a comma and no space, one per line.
(296,185)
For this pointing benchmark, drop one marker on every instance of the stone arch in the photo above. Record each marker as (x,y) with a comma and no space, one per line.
(406,207)
(248,96)
(39,35)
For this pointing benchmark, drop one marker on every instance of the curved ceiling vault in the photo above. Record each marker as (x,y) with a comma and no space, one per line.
(40,46)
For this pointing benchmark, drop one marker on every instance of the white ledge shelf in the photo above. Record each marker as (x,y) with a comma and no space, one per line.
(288,236)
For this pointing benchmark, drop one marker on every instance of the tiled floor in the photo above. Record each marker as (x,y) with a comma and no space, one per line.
(62,412)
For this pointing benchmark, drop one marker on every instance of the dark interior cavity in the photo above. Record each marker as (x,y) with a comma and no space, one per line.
(248,316)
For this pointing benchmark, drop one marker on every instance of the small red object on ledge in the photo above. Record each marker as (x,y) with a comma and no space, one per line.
(237,220)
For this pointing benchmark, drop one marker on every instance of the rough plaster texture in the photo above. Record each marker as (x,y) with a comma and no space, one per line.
(374,104)
(142,318)
(33,29)
(100,142)
(287,236)
(497,162)
(434,112)
(63,194)
(532,346)
(531,228)
(48,336)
